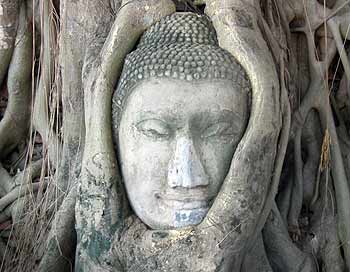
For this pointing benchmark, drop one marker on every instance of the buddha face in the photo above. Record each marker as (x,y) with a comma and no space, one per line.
(176,142)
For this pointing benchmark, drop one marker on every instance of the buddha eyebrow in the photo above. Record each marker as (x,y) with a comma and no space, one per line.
(219,116)
(166,117)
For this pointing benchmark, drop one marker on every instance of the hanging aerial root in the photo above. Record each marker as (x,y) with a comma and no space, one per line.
(60,246)
(41,120)
(14,126)
(297,192)
(322,236)
(334,26)
(9,12)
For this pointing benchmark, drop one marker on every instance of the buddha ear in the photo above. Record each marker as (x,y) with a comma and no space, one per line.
(248,192)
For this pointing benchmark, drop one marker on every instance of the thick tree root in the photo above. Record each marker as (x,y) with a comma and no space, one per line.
(282,252)
(6,181)
(14,188)
(15,123)
(9,13)
(19,192)
(243,39)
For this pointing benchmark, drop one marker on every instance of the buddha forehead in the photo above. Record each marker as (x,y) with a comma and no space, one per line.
(175,100)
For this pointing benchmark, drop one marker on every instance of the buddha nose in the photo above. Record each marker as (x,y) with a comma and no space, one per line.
(185,168)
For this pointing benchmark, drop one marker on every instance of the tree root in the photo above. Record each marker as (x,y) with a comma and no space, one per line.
(283,198)
(305,180)
(323,239)
(60,249)
(283,254)
(19,192)
(244,40)
(72,58)
(14,126)
(13,188)
(41,120)
(312,100)
(256,259)
(8,29)
(320,102)
(6,181)
(312,140)
(334,27)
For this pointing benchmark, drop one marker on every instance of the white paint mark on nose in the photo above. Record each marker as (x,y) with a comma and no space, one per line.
(185,168)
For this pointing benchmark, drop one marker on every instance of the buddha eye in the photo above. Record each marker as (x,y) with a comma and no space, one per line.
(154,128)
(220,129)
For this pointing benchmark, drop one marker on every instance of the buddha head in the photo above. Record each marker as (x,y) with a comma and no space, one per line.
(179,111)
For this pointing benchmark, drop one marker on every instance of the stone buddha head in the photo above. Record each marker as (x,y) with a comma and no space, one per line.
(179,111)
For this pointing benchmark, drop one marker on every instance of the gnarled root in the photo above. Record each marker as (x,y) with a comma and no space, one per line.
(14,188)
(14,126)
